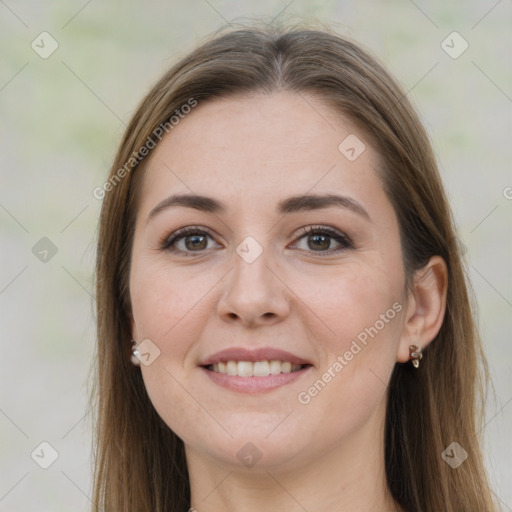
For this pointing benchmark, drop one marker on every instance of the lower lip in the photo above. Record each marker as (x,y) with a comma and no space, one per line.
(254,384)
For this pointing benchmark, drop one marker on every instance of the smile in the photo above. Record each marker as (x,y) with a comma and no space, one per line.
(254,370)
(255,377)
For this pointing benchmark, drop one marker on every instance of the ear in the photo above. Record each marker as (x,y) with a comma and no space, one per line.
(425,307)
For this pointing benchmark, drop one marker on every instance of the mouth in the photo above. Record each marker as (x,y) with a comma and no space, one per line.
(254,371)
(259,370)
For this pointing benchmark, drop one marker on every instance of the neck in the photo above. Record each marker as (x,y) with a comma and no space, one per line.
(349,477)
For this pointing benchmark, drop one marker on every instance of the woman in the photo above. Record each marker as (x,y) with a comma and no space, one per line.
(283,317)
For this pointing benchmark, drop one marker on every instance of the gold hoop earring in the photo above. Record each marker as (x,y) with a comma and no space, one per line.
(415,355)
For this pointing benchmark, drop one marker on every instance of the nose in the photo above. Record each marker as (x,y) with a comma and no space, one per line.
(254,294)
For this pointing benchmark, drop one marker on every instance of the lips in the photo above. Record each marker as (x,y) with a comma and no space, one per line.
(255,355)
(254,371)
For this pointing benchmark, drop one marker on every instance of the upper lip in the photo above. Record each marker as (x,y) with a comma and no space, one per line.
(259,354)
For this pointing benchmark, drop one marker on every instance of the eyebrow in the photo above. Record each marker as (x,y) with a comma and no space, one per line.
(286,206)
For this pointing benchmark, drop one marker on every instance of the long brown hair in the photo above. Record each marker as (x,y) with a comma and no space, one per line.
(139,462)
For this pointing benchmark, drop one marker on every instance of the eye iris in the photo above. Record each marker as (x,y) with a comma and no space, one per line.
(317,237)
(194,242)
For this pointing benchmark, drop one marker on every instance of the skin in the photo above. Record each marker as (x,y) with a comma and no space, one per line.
(250,153)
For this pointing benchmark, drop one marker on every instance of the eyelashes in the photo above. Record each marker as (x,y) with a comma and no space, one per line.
(322,232)
(169,242)
(199,238)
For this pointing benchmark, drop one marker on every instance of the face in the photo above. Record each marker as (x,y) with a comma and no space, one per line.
(273,322)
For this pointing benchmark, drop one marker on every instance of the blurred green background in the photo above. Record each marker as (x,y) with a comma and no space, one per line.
(61,117)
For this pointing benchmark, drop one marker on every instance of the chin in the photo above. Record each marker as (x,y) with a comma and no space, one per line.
(253,454)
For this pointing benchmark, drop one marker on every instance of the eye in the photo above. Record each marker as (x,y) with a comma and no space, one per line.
(189,239)
(194,239)
(319,238)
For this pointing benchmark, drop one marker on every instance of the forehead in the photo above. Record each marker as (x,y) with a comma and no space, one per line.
(265,147)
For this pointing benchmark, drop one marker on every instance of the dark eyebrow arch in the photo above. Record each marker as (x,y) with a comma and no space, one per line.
(316,202)
(287,206)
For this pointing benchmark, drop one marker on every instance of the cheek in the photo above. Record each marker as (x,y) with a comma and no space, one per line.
(168,309)
(166,299)
(361,309)
(359,301)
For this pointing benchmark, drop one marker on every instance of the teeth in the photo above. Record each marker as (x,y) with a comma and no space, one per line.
(261,368)
(286,367)
(231,368)
(245,369)
(275,367)
(256,369)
